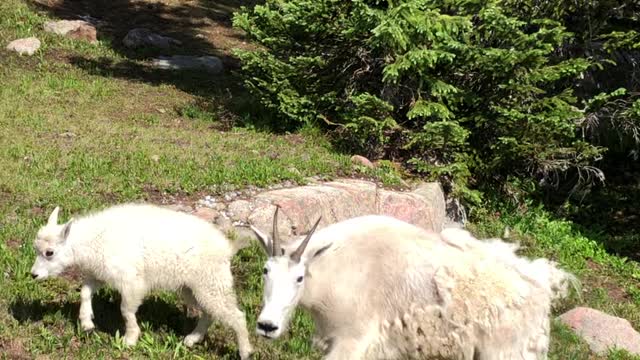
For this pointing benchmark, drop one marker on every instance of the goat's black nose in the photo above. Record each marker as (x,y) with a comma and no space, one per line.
(34,275)
(266,326)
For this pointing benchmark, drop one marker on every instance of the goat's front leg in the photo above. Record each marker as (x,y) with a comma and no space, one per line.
(346,349)
(131,299)
(89,287)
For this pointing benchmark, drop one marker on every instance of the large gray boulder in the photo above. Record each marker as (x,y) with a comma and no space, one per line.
(340,200)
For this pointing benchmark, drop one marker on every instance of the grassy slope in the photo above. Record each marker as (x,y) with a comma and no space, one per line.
(83,135)
(84,139)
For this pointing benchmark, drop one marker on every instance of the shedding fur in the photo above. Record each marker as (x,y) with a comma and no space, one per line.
(137,248)
(385,289)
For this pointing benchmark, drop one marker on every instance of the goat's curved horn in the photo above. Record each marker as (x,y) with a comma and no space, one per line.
(297,255)
(275,238)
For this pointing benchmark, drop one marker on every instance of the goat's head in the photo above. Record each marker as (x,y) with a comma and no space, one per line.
(284,278)
(52,253)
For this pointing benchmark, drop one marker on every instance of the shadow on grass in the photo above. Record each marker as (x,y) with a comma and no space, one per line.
(609,212)
(202,26)
(157,313)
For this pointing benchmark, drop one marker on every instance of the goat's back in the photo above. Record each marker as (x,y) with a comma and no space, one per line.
(166,247)
(430,294)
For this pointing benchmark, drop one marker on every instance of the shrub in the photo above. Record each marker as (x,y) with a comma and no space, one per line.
(458,90)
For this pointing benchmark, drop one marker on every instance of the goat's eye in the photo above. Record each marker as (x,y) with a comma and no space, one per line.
(48,253)
(265,271)
(300,279)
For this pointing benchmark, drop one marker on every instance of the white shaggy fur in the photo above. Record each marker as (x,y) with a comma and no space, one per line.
(136,248)
(380,288)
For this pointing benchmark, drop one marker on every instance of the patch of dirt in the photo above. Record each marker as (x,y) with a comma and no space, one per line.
(37,211)
(59,55)
(615,292)
(156,196)
(295,139)
(13,243)
(203,26)
(14,349)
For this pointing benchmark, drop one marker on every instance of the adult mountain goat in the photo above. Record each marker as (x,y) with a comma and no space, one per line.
(380,288)
(136,248)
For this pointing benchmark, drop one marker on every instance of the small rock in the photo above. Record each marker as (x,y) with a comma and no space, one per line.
(141,37)
(63,27)
(602,331)
(155,158)
(223,222)
(206,213)
(361,160)
(241,209)
(179,207)
(26,46)
(210,64)
(84,32)
(228,196)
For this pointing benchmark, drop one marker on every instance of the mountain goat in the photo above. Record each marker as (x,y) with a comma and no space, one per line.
(380,288)
(136,248)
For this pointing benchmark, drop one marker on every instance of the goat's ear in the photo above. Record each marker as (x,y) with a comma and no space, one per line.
(53,218)
(263,239)
(65,230)
(318,253)
(322,249)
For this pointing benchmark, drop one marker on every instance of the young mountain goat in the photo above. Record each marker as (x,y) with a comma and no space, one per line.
(380,288)
(136,248)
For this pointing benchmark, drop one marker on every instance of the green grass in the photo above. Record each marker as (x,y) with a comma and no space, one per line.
(84,126)
(83,138)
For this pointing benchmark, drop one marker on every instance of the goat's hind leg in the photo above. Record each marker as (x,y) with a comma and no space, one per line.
(346,349)
(203,323)
(220,303)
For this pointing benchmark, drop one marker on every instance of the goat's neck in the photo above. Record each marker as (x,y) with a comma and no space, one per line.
(84,249)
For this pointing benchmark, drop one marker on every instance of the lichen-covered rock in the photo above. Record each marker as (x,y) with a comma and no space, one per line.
(26,46)
(361,160)
(340,200)
(602,331)
(84,32)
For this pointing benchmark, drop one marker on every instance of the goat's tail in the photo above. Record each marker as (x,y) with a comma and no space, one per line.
(562,282)
(558,281)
